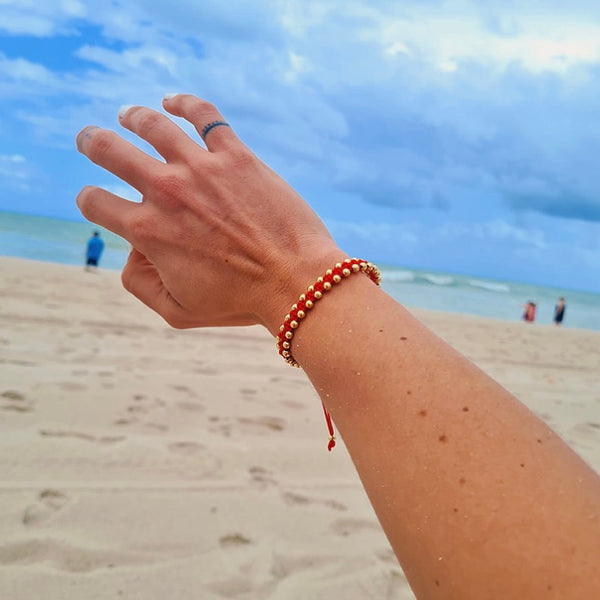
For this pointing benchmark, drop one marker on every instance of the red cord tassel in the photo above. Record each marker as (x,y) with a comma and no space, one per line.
(331,444)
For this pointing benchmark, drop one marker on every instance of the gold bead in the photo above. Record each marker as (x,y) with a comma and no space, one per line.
(311,288)
(327,286)
(336,279)
(302,298)
(294,306)
(355,268)
(348,260)
(301,314)
(363,265)
(294,324)
(289,335)
(346,272)
(286,345)
(309,304)
(319,280)
(318,295)
(281,328)
(338,265)
(285,354)
(328,272)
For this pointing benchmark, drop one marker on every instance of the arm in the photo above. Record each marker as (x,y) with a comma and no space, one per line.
(476,495)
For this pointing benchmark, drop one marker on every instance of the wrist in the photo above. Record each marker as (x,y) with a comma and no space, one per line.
(324,284)
(293,279)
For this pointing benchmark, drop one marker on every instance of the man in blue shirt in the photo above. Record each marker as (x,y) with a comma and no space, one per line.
(95,246)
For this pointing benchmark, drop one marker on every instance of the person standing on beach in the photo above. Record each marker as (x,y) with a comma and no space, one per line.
(529,314)
(95,247)
(559,311)
(478,496)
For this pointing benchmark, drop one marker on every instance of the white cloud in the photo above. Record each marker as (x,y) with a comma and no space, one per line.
(22,71)
(31,17)
(15,171)
(446,38)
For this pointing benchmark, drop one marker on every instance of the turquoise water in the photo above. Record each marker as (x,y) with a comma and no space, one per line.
(55,240)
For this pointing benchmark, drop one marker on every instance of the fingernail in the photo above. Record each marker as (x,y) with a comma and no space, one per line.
(169,96)
(84,133)
(124,109)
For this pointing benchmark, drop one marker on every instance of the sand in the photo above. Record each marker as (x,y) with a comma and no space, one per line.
(142,462)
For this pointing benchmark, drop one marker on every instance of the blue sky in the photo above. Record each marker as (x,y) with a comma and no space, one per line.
(459,136)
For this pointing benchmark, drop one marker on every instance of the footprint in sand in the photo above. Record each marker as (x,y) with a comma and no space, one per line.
(150,427)
(122,422)
(221,428)
(272,423)
(186,448)
(346,527)
(184,389)
(590,428)
(86,437)
(72,386)
(387,556)
(70,558)
(48,503)
(397,584)
(284,566)
(295,499)
(293,404)
(15,401)
(190,406)
(233,540)
(262,476)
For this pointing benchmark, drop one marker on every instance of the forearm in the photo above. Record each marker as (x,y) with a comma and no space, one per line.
(474,492)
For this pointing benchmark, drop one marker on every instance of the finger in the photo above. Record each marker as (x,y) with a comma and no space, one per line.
(141,278)
(113,153)
(169,140)
(209,123)
(108,210)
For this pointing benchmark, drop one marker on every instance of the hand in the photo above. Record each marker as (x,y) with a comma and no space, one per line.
(219,238)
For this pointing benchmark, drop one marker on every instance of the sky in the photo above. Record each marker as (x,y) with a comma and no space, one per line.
(456,136)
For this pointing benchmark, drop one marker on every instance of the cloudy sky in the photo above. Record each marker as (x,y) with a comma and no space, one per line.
(459,136)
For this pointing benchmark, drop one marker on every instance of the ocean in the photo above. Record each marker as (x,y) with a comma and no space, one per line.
(61,241)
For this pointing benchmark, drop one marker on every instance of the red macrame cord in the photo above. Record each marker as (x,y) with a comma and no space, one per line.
(307,301)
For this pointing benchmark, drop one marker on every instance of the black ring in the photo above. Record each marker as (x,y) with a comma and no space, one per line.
(212,125)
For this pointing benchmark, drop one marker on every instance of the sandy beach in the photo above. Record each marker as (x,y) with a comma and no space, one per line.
(147,463)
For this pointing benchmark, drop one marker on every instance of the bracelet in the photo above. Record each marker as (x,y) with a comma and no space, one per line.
(307,301)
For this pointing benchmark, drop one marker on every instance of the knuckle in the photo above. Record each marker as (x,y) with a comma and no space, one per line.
(142,227)
(169,184)
(200,109)
(242,157)
(147,121)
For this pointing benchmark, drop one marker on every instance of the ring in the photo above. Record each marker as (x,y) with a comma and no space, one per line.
(212,125)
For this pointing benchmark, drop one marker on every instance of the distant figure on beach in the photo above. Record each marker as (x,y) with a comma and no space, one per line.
(529,314)
(559,311)
(95,247)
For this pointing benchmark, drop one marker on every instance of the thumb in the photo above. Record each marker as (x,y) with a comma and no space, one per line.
(142,279)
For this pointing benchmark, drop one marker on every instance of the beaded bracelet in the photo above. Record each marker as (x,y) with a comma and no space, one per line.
(307,301)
